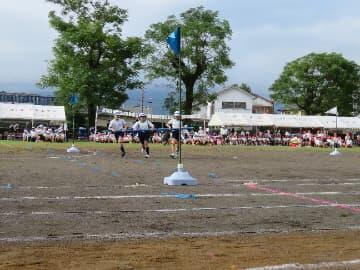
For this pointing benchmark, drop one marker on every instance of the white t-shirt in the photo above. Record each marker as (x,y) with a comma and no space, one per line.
(174,123)
(146,125)
(224,131)
(117,124)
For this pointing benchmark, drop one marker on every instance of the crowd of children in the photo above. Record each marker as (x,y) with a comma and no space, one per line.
(43,133)
(144,132)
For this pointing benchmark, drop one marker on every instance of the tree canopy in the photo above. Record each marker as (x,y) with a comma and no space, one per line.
(245,87)
(317,82)
(91,59)
(204,54)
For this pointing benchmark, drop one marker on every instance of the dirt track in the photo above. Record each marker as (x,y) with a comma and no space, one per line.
(59,204)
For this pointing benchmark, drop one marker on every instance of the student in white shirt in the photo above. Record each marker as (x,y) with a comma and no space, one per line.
(144,126)
(118,127)
(174,124)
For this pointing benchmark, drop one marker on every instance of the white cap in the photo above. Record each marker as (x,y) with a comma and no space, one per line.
(177,113)
(142,114)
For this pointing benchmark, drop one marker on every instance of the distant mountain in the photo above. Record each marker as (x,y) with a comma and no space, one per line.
(155,96)
(25,87)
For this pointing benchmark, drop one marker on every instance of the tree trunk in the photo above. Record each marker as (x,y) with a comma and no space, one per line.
(189,97)
(91,115)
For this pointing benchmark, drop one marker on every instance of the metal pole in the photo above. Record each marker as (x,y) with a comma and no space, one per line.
(179,142)
(96,119)
(336,128)
(73,142)
(142,100)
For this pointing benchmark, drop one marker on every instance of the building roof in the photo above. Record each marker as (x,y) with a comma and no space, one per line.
(237,87)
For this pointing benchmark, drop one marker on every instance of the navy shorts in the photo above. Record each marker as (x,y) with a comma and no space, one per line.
(176,134)
(144,136)
(118,134)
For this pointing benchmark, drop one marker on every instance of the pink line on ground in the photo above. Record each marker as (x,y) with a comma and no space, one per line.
(254,186)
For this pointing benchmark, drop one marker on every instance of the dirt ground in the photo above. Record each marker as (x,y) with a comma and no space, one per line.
(253,207)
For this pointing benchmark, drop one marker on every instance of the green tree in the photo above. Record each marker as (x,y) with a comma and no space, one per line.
(317,82)
(91,58)
(245,87)
(204,53)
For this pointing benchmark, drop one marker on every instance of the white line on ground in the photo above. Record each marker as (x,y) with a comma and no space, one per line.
(290,180)
(168,210)
(83,187)
(119,236)
(329,184)
(147,196)
(338,183)
(294,266)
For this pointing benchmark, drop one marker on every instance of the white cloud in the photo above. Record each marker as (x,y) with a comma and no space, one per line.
(263,41)
(262,51)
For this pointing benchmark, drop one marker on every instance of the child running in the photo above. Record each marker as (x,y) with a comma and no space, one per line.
(174,124)
(118,127)
(143,127)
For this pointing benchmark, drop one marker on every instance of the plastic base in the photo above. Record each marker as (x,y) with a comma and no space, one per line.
(73,149)
(335,153)
(180,178)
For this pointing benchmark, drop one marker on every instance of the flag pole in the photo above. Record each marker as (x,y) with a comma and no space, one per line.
(180,110)
(73,148)
(181,176)
(73,124)
(336,152)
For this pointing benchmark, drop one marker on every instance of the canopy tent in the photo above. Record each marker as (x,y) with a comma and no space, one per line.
(285,121)
(342,122)
(296,121)
(229,119)
(32,112)
(259,120)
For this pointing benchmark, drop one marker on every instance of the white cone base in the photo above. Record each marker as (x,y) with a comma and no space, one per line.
(335,153)
(180,178)
(73,149)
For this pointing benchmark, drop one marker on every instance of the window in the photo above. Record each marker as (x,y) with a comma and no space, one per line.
(233,105)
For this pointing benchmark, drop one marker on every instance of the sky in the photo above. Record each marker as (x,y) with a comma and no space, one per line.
(267,34)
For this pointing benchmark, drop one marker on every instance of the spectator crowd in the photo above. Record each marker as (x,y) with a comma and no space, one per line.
(223,136)
(318,138)
(43,133)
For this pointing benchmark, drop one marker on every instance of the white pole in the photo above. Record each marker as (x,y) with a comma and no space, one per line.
(32,115)
(96,119)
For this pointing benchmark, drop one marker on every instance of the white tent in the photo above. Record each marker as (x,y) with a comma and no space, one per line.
(258,120)
(281,120)
(32,112)
(342,122)
(296,121)
(229,119)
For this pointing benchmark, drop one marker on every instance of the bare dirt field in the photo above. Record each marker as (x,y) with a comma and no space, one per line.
(253,207)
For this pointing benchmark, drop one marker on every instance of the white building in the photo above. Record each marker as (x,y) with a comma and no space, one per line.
(233,99)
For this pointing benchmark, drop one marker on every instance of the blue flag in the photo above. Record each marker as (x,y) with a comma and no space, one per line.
(174,41)
(74,99)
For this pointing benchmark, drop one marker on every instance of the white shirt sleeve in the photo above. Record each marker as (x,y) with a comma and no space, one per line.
(136,126)
(111,124)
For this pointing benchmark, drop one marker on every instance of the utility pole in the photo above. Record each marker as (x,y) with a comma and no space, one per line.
(142,99)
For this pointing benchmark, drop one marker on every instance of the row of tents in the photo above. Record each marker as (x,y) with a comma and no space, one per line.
(57,114)
(283,121)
